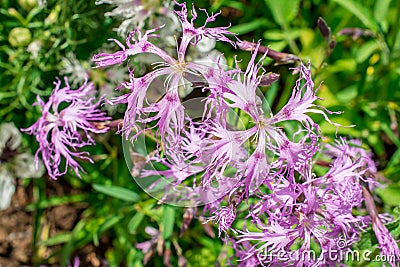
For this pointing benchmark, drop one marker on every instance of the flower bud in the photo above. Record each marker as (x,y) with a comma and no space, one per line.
(27,5)
(19,37)
(52,18)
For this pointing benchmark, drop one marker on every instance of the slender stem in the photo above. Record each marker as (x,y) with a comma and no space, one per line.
(370,204)
(110,124)
(275,55)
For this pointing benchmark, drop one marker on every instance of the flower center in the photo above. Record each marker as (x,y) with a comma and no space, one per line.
(180,68)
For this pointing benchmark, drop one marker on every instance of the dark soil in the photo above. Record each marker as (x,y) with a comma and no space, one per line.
(17,229)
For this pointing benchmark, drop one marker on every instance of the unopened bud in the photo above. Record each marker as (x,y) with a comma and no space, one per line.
(19,37)
(27,5)
(269,79)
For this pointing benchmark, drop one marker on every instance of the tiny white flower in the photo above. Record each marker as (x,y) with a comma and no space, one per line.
(13,163)
(7,188)
(34,48)
(73,69)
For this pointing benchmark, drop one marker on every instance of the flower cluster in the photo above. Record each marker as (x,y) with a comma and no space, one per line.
(67,120)
(295,191)
(169,111)
(262,168)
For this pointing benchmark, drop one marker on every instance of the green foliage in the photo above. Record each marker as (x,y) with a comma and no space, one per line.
(117,192)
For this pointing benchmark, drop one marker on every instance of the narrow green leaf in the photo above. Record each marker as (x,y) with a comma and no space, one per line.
(167,221)
(366,241)
(235,4)
(56,201)
(395,159)
(347,94)
(386,128)
(96,240)
(35,11)
(216,6)
(117,192)
(366,50)
(109,222)
(249,26)
(56,240)
(7,94)
(348,65)
(278,35)
(135,222)
(394,227)
(134,258)
(376,143)
(381,9)
(360,12)
(283,11)
(390,194)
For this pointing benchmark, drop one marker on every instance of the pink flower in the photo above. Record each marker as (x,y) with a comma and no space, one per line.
(193,34)
(225,216)
(226,148)
(61,132)
(389,247)
(136,43)
(176,71)
(302,101)
(242,91)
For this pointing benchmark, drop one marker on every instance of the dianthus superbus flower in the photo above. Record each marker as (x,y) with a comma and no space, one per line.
(175,70)
(62,131)
(388,245)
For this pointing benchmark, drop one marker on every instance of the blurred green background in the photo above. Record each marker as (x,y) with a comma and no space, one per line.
(357,60)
